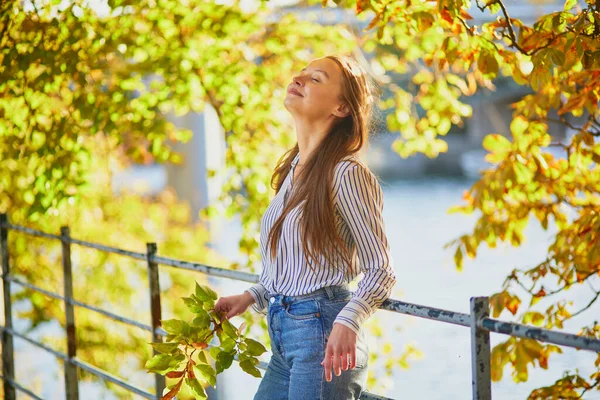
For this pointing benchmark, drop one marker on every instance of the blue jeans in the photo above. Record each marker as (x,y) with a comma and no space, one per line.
(299,327)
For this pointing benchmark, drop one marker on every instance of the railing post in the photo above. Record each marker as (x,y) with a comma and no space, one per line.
(71,379)
(151,250)
(480,350)
(8,360)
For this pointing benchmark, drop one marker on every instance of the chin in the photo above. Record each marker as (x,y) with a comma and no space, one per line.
(288,104)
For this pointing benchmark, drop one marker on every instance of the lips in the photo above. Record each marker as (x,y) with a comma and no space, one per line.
(294,91)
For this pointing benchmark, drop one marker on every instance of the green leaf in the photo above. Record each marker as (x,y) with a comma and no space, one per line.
(195,385)
(248,366)
(496,143)
(533,317)
(208,305)
(569,4)
(518,126)
(228,344)
(202,357)
(176,327)
(202,319)
(493,7)
(215,316)
(207,373)
(487,63)
(205,293)
(539,76)
(193,305)
(162,363)
(255,348)
(229,329)
(522,172)
(174,338)
(458,258)
(166,348)
(224,360)
(214,352)
(557,57)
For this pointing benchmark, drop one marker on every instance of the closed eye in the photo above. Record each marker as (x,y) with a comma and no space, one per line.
(315,80)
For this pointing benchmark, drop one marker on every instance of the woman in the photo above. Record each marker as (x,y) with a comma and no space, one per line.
(323,227)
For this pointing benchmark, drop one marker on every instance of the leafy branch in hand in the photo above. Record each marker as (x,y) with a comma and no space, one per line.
(185,339)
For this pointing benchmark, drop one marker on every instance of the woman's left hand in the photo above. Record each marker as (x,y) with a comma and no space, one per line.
(341,346)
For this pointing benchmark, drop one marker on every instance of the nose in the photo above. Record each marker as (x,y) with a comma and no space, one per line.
(297,80)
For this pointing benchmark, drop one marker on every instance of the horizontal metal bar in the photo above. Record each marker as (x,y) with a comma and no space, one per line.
(371,396)
(114,379)
(213,271)
(543,335)
(111,315)
(58,354)
(81,364)
(82,305)
(417,310)
(30,231)
(33,287)
(107,249)
(21,388)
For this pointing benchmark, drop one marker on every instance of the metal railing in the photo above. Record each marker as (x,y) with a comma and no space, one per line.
(478,320)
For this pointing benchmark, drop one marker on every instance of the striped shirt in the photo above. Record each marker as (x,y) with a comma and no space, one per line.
(358,201)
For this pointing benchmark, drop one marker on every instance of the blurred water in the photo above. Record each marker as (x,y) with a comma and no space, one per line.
(418,226)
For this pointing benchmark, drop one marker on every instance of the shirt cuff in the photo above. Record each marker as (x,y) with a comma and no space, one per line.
(260,295)
(354,313)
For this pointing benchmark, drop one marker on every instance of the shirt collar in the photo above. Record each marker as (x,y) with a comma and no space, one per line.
(295,160)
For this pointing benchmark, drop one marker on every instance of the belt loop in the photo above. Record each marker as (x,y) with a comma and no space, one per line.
(329,291)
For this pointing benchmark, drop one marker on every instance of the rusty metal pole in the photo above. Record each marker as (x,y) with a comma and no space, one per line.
(8,357)
(151,250)
(480,350)
(71,379)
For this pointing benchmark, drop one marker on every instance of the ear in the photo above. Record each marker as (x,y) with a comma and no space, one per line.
(341,111)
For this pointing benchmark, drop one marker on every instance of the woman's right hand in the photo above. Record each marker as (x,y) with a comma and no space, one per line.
(234,305)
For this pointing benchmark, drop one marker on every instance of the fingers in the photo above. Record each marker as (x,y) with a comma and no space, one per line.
(233,311)
(339,361)
(344,361)
(326,363)
(336,364)
(221,305)
(232,305)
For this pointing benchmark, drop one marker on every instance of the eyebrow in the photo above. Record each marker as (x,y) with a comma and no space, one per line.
(318,70)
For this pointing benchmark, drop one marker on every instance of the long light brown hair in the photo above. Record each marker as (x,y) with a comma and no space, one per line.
(315,181)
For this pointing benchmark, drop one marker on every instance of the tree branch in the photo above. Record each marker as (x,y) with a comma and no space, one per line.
(567,286)
(512,35)
(511,31)
(588,306)
(563,121)
(589,388)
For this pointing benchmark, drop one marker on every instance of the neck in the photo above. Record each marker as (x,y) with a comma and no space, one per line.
(309,133)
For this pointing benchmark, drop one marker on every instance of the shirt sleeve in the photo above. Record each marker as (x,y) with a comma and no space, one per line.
(260,295)
(360,203)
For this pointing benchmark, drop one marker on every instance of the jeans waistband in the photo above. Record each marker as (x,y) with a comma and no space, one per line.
(329,291)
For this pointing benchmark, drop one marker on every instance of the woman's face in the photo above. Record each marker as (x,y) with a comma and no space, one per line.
(318,88)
